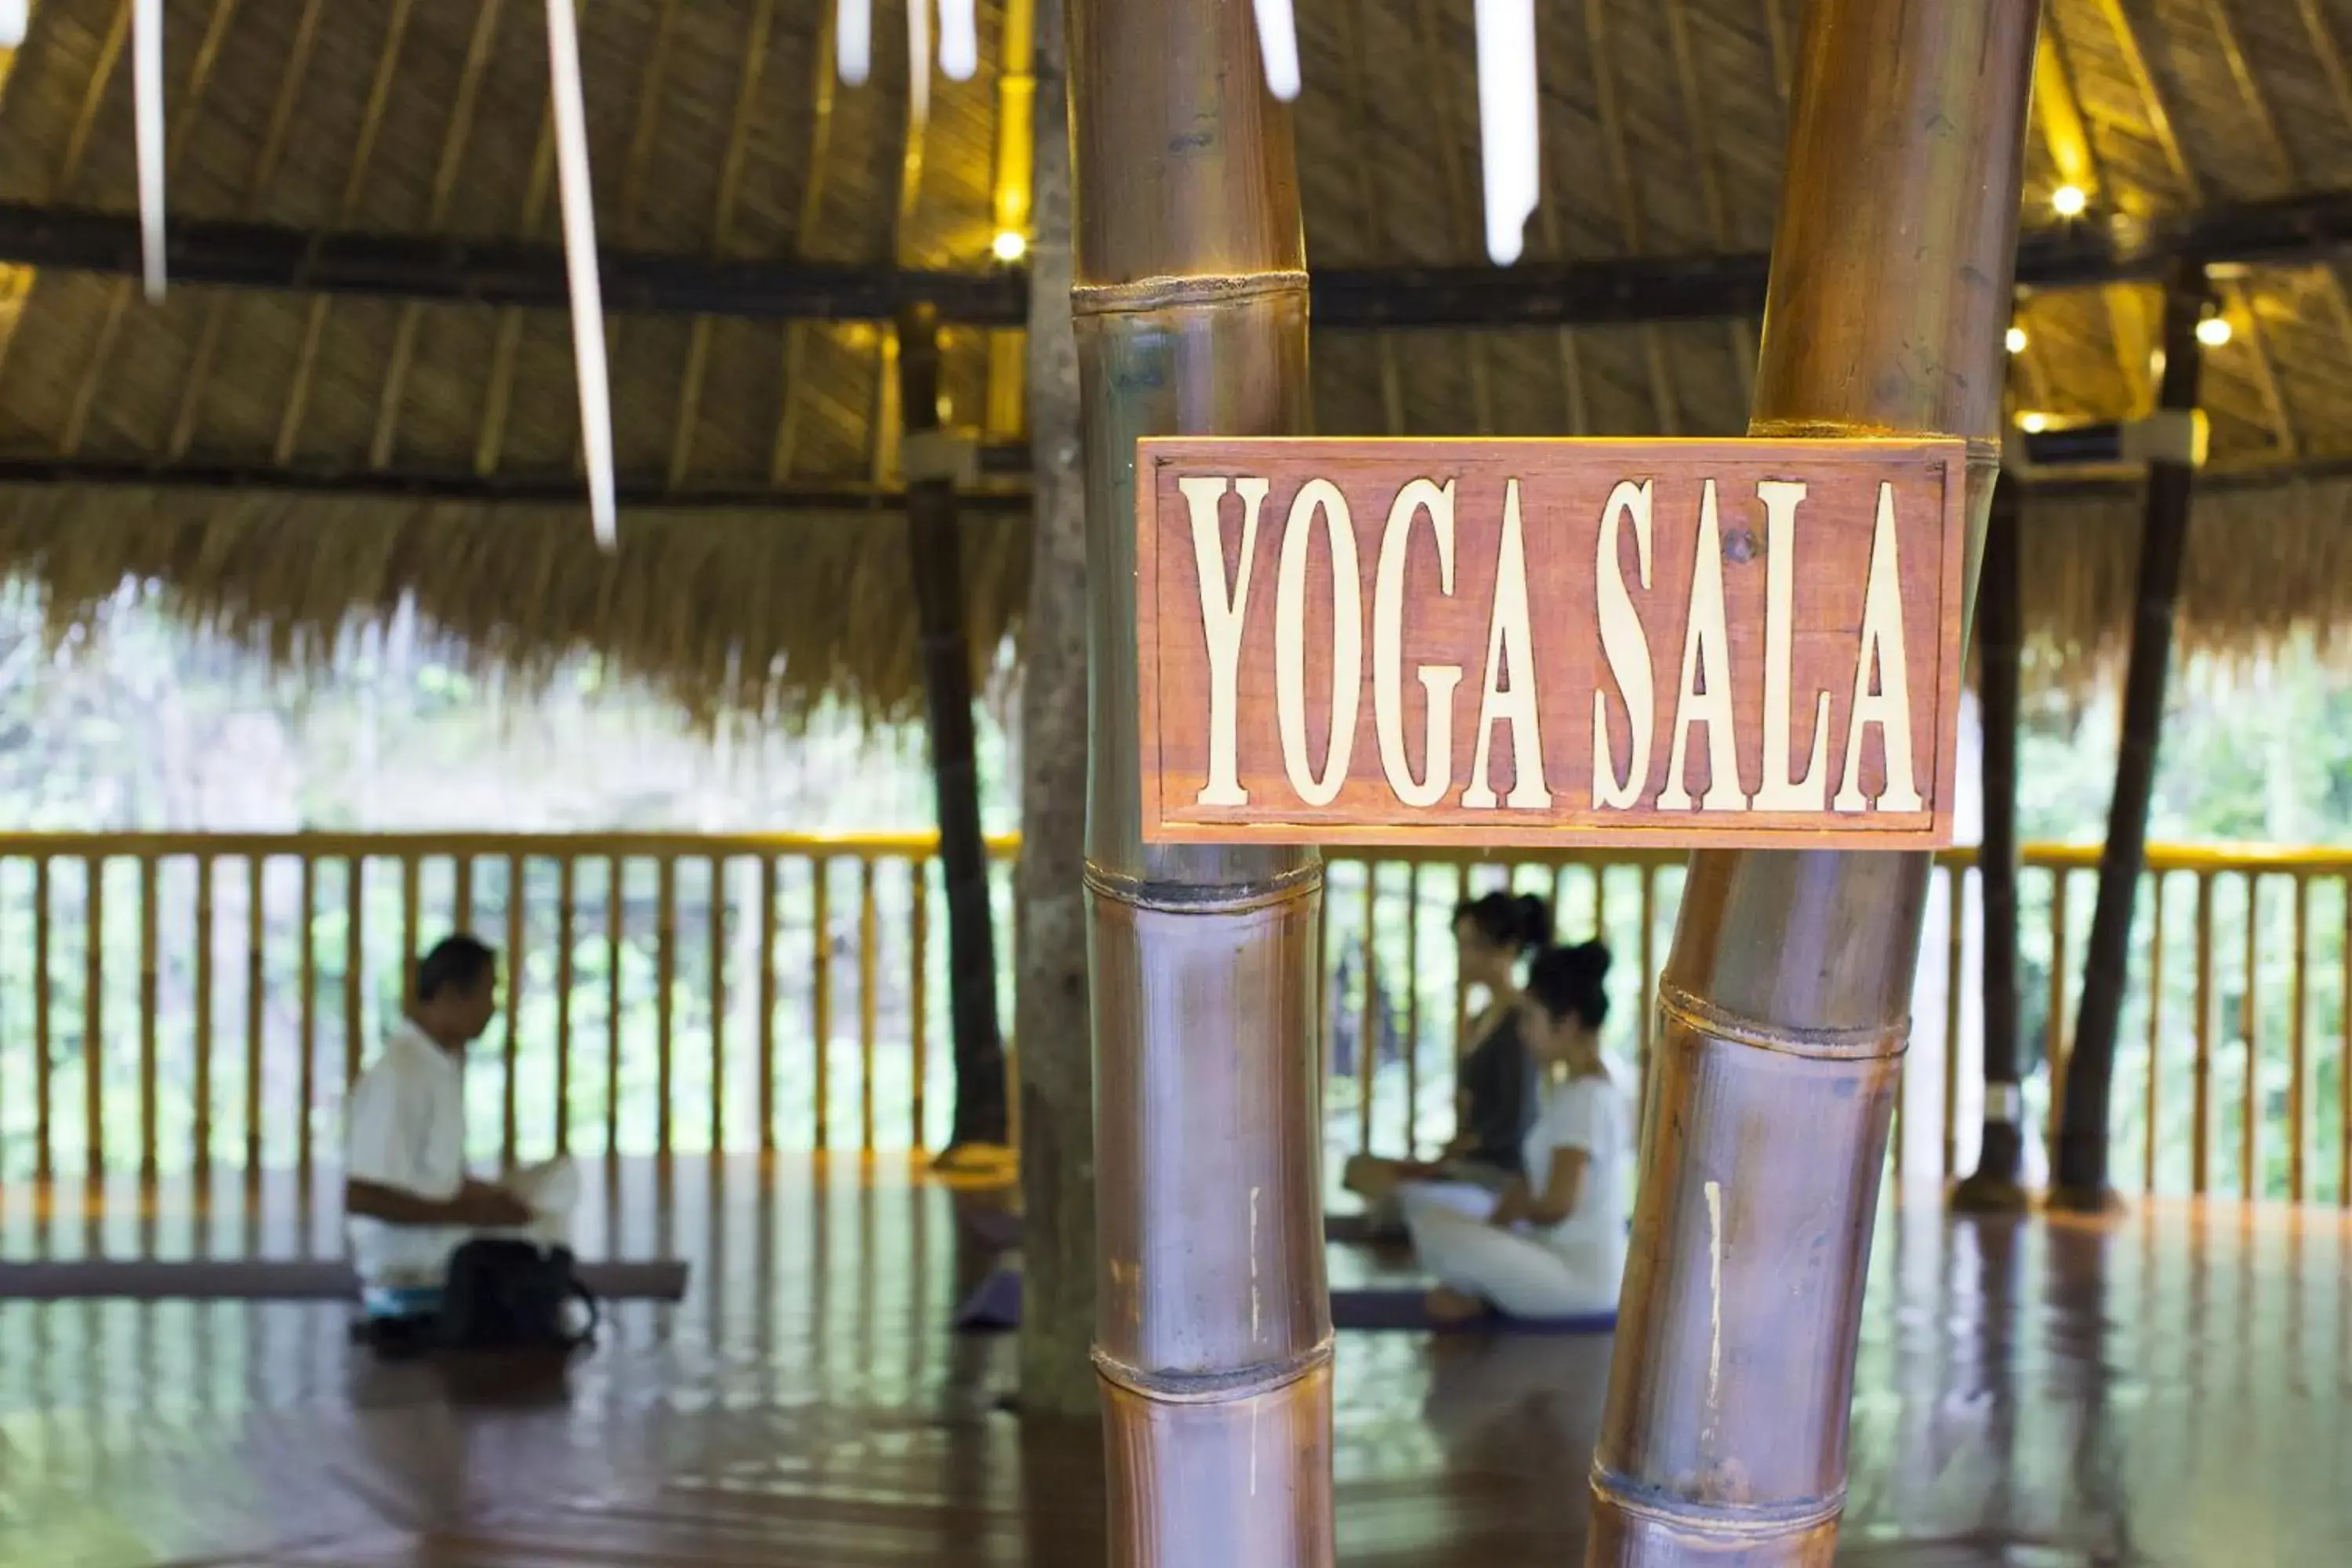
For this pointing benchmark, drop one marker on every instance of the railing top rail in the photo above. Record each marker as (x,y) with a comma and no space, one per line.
(2284,859)
(533,846)
(2260,859)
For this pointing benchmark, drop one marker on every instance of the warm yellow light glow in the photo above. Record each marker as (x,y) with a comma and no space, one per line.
(2034,424)
(2017,340)
(1010,245)
(2069,201)
(2213,331)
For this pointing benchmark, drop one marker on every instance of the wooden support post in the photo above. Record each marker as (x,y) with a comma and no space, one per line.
(1058,1161)
(1212,1330)
(1997,1184)
(936,559)
(1784,1005)
(2079,1179)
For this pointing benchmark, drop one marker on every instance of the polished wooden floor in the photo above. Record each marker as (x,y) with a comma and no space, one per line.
(2173,1389)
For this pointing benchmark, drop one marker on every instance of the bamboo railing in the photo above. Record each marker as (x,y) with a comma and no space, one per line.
(725,958)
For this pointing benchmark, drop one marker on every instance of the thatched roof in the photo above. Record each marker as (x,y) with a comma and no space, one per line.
(763,556)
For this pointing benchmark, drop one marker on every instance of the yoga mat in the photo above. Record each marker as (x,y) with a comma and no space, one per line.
(1407,1307)
(276,1279)
(995,1307)
(1001,1227)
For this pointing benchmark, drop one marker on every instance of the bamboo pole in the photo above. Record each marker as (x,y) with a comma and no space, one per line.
(567,898)
(44,1160)
(1055,1092)
(518,970)
(1784,1003)
(1212,1328)
(936,559)
(305,1002)
(2078,1178)
(93,1018)
(1997,1184)
(201,1135)
(150,1128)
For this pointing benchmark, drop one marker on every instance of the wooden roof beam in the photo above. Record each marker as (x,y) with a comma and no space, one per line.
(498,272)
(1004,491)
(462,486)
(2293,231)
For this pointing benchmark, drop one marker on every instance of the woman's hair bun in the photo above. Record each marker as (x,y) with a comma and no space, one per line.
(1589,958)
(1565,981)
(1520,923)
(1534,921)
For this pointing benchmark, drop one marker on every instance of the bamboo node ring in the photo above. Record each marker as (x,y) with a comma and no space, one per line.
(1142,294)
(1214,1387)
(1721,1523)
(1679,1008)
(1983,450)
(1192,898)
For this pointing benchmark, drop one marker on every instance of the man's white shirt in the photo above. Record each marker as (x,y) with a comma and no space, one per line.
(407,1132)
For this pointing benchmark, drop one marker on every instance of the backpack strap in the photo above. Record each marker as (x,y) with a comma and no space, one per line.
(587,1336)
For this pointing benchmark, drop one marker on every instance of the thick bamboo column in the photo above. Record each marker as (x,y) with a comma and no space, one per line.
(2080,1180)
(1051,1018)
(934,550)
(1212,1330)
(1784,1008)
(1998,1186)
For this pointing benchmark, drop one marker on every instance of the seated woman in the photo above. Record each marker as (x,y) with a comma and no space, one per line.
(1554,1245)
(1496,1104)
(408,1202)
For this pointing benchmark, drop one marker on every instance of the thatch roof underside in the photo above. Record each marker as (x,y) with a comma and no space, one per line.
(717,132)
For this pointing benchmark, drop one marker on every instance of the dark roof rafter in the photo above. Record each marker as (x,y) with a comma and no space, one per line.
(1004,493)
(236,255)
(421,485)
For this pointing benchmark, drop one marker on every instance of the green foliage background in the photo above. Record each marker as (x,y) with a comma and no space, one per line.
(137,724)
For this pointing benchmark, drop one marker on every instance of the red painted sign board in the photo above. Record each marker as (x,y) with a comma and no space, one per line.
(1550,643)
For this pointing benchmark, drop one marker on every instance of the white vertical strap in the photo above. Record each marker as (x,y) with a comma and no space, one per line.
(580,258)
(147,94)
(959,38)
(14,15)
(918,62)
(1510,136)
(853,41)
(1277,45)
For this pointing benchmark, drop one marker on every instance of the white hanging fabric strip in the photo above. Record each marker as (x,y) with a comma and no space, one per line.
(571,104)
(147,93)
(959,38)
(853,41)
(918,62)
(1277,45)
(1510,135)
(15,16)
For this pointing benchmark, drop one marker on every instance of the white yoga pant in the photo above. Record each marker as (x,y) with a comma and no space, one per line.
(1465,1199)
(1461,1197)
(1522,1276)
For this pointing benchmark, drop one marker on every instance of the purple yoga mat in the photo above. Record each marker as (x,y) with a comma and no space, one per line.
(995,1307)
(275,1280)
(1001,1227)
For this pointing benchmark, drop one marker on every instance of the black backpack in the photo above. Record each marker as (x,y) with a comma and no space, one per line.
(504,1294)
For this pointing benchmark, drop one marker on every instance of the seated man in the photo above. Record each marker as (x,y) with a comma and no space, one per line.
(407,1201)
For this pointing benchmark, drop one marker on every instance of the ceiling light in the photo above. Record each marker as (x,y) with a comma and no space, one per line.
(2034,424)
(2213,331)
(2017,340)
(1010,245)
(2068,201)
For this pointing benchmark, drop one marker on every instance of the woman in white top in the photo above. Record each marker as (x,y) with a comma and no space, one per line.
(1555,1244)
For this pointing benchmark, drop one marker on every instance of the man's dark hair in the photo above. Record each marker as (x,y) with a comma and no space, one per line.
(456,964)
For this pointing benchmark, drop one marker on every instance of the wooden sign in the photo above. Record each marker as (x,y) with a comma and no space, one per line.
(1550,643)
